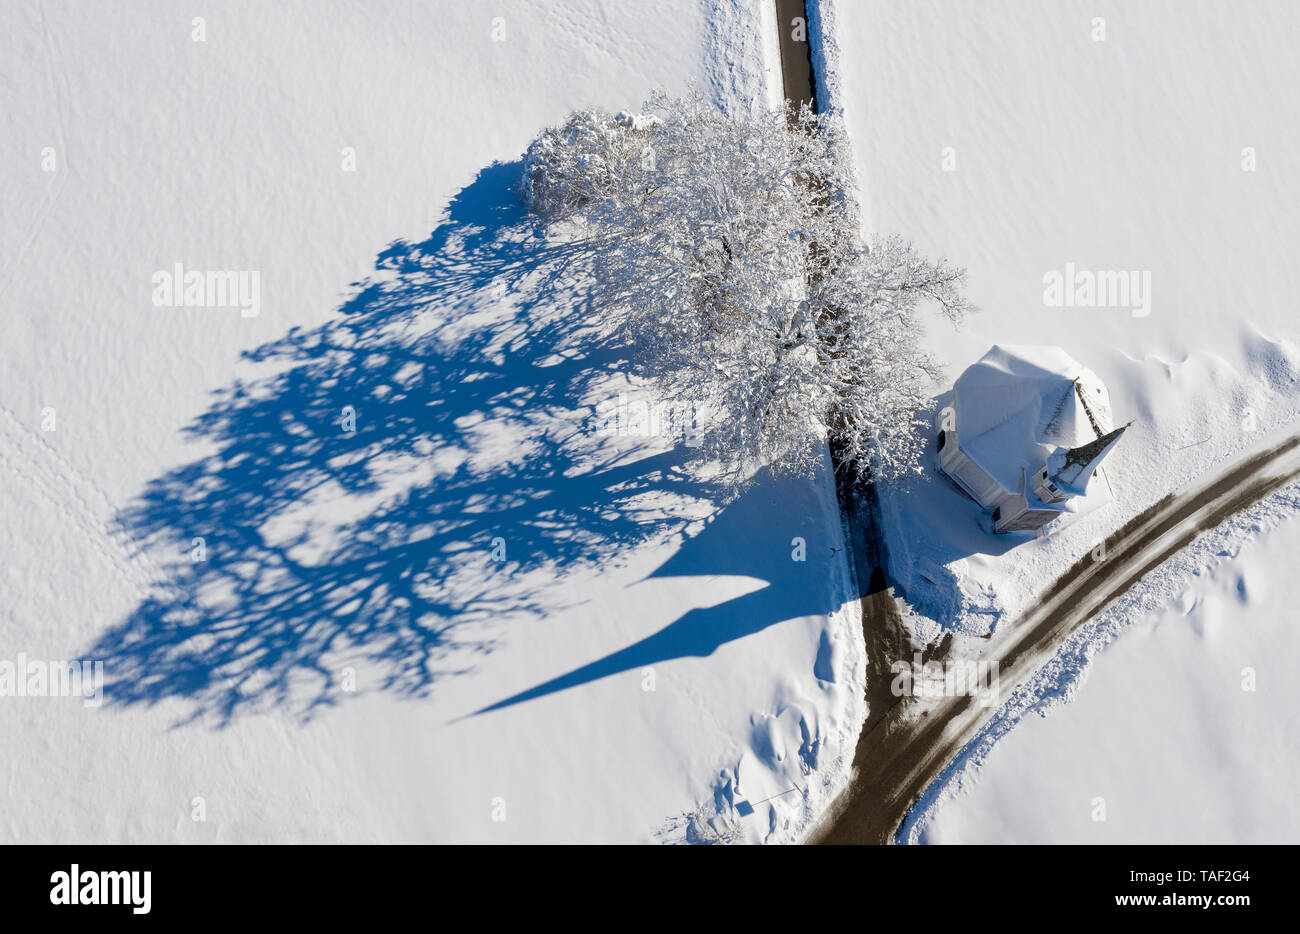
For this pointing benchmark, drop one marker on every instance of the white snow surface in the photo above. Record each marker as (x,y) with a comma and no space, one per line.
(1183,731)
(1002,136)
(709,666)
(1015,405)
(1027,141)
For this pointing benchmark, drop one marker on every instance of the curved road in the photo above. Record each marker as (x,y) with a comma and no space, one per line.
(900,752)
(899,755)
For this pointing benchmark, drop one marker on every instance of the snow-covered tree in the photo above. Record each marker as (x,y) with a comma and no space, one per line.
(729,245)
(583,162)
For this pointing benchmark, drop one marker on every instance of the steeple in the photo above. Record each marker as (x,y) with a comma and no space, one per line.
(1072,468)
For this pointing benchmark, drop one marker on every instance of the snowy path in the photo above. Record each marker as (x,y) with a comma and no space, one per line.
(901,755)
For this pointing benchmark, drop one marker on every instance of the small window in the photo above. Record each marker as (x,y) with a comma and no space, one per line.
(943,438)
(997,515)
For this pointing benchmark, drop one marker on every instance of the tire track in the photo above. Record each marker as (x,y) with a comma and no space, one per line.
(80,501)
(52,74)
(897,758)
(901,749)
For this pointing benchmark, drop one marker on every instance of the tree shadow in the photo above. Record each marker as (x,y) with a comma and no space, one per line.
(752,537)
(391,478)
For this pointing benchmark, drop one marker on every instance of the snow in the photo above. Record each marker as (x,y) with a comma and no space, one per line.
(1010,381)
(667,651)
(1124,154)
(557,634)
(1208,705)
(1015,404)
(1117,182)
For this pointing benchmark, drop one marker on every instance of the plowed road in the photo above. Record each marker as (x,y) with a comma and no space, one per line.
(898,755)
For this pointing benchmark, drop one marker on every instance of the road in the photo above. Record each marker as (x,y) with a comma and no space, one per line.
(796,63)
(899,753)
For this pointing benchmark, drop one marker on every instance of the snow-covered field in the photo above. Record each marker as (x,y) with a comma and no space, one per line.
(1031,142)
(354,553)
(211,526)
(1004,136)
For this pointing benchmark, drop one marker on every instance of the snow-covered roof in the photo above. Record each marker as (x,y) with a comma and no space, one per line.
(1017,404)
